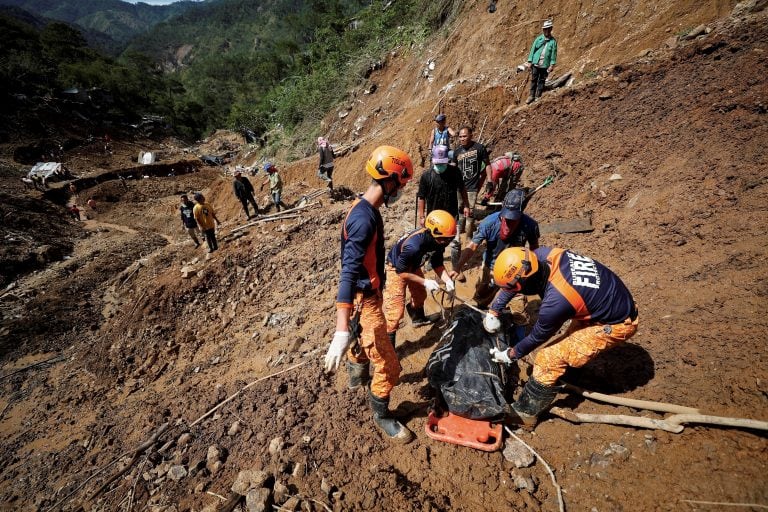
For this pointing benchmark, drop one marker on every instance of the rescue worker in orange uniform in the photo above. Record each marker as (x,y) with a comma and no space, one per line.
(360,290)
(572,287)
(403,267)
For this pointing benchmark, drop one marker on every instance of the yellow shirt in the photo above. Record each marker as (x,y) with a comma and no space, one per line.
(204,215)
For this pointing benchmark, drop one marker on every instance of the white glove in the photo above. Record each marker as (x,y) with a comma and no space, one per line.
(500,356)
(449,285)
(491,323)
(431,285)
(336,351)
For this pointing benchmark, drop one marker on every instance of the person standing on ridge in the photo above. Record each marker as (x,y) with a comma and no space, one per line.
(541,60)
(325,166)
(441,134)
(404,263)
(187,208)
(275,185)
(572,287)
(360,285)
(244,192)
(205,216)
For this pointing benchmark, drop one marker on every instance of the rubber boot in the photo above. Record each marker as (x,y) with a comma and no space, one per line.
(533,400)
(418,318)
(392,428)
(392,336)
(358,374)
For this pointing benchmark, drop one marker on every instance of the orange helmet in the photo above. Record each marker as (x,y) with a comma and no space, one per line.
(388,161)
(441,224)
(513,265)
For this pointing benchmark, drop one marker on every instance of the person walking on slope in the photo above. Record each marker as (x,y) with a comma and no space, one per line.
(502,176)
(275,185)
(205,216)
(541,60)
(571,287)
(188,219)
(403,268)
(244,192)
(509,227)
(325,166)
(360,285)
(471,158)
(441,134)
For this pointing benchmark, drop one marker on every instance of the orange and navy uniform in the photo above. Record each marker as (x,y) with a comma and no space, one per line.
(413,250)
(578,288)
(362,253)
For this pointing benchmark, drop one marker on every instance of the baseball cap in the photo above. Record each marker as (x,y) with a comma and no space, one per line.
(512,206)
(440,117)
(440,155)
(268,166)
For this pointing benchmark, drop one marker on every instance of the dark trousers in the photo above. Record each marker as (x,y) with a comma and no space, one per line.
(249,199)
(210,238)
(538,77)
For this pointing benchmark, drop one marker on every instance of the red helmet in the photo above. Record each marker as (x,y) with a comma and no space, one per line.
(389,161)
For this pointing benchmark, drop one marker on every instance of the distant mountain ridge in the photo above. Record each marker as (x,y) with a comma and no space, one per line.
(109,24)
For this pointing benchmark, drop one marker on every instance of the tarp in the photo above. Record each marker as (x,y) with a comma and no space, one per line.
(45,169)
(147,157)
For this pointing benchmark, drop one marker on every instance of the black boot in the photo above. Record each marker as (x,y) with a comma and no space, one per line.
(534,399)
(418,318)
(358,374)
(392,336)
(393,429)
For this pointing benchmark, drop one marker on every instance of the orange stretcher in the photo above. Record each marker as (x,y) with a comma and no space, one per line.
(477,434)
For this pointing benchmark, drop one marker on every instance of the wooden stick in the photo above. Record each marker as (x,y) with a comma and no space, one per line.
(560,503)
(678,419)
(631,402)
(617,419)
(55,359)
(726,504)
(138,450)
(232,397)
(244,226)
(289,216)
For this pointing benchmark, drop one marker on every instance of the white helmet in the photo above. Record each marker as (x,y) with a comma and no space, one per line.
(547,24)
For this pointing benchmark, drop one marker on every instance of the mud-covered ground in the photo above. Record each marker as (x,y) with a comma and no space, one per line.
(138,346)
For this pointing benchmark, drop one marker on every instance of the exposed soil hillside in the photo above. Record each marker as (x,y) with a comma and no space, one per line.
(142,346)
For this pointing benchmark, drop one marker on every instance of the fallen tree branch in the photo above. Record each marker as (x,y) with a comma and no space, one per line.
(264,217)
(631,402)
(282,217)
(616,419)
(135,453)
(232,397)
(52,360)
(724,421)
(726,504)
(560,503)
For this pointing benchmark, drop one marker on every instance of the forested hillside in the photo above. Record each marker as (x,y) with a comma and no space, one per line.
(283,62)
(116,21)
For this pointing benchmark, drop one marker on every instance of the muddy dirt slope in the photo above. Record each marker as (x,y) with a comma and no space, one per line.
(115,359)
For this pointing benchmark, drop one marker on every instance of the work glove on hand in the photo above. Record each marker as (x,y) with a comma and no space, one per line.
(491,323)
(336,351)
(449,284)
(431,285)
(501,356)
